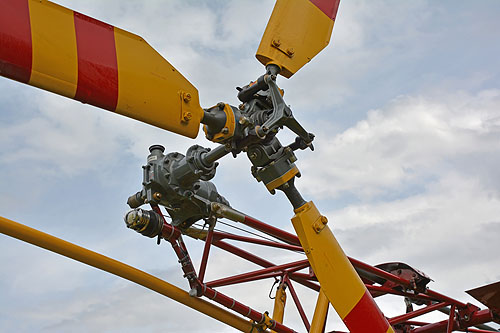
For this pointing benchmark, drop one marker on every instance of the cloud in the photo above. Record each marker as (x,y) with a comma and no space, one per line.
(407,144)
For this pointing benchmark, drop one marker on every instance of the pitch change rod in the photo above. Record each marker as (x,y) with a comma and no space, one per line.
(91,258)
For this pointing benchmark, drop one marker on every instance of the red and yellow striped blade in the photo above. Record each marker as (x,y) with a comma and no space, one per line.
(297,31)
(59,50)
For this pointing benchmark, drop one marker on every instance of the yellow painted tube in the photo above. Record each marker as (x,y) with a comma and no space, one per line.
(320,312)
(279,304)
(339,281)
(91,258)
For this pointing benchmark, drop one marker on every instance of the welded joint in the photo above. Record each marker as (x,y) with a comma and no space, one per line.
(320,224)
(465,314)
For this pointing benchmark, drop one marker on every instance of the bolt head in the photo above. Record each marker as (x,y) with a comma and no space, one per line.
(186,116)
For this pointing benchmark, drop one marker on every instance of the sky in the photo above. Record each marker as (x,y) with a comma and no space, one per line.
(405,106)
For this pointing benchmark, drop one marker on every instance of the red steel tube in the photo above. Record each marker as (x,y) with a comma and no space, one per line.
(168,231)
(242,309)
(477,318)
(243,254)
(222,235)
(250,279)
(402,318)
(451,320)
(441,297)
(397,292)
(262,262)
(272,231)
(278,268)
(379,272)
(206,250)
(415,323)
(271,275)
(296,300)
(480,317)
(293,239)
(186,264)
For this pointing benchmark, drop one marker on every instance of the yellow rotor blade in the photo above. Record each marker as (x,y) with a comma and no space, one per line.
(297,31)
(59,50)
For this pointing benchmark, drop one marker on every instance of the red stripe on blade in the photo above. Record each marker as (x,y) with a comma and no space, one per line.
(15,40)
(329,7)
(366,317)
(97,67)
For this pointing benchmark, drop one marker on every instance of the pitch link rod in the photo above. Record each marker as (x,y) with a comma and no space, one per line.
(91,258)
(215,154)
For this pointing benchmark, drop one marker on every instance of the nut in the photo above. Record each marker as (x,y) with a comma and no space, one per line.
(186,116)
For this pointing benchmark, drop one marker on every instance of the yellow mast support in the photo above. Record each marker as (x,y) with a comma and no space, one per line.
(91,258)
(339,281)
(279,303)
(320,313)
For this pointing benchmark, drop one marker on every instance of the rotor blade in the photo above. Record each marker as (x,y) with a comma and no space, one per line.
(54,48)
(297,31)
(99,261)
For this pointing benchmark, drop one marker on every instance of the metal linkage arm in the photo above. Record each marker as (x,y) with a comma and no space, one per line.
(282,114)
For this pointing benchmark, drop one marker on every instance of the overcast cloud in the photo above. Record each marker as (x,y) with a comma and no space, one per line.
(405,107)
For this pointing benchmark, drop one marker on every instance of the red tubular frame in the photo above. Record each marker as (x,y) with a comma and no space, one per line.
(272,231)
(479,317)
(280,269)
(290,271)
(416,313)
(242,309)
(206,250)
(451,319)
(300,278)
(296,300)
(222,235)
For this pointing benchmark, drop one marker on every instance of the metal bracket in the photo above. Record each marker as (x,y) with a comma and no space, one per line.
(320,224)
(282,114)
